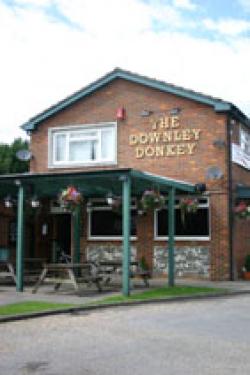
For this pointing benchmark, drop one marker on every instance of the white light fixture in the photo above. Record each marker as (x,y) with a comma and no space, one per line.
(110,199)
(35,203)
(8,202)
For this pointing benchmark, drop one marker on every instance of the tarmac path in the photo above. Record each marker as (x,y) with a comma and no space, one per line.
(210,337)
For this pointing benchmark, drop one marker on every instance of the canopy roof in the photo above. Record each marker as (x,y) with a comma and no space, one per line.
(96,183)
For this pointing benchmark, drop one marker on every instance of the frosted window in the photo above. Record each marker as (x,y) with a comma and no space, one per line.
(60,147)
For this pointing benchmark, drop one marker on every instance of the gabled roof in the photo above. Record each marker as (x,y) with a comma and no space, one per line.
(218,104)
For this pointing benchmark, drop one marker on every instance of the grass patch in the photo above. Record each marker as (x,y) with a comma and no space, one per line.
(161,293)
(31,306)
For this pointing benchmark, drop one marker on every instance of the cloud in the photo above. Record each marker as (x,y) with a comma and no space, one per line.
(245,4)
(184,4)
(44,58)
(230,27)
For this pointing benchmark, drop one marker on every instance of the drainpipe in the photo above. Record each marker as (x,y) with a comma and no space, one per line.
(230,198)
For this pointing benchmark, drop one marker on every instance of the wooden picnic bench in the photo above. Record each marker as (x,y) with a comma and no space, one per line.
(69,273)
(108,268)
(7,270)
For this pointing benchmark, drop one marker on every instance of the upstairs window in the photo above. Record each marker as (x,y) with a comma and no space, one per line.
(245,141)
(83,145)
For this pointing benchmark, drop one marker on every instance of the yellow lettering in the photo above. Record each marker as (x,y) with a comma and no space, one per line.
(139,152)
(159,151)
(167,136)
(149,151)
(186,136)
(177,135)
(169,150)
(154,137)
(133,140)
(143,138)
(180,149)
(175,122)
(196,133)
(190,148)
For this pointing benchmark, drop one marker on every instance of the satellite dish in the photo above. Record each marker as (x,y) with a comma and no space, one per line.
(214,173)
(23,155)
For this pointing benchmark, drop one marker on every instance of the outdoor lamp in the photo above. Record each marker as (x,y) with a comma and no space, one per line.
(35,203)
(8,202)
(110,199)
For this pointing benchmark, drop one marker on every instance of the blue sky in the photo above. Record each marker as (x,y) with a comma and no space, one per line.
(51,48)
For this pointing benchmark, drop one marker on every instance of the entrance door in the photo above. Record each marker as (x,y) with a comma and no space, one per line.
(63,232)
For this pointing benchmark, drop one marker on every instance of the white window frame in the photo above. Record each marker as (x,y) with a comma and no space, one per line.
(183,238)
(244,140)
(86,128)
(104,238)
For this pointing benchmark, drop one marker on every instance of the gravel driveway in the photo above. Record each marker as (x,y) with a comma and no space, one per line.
(188,338)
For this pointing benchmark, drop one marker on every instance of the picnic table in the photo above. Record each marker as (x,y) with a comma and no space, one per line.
(7,270)
(109,268)
(68,273)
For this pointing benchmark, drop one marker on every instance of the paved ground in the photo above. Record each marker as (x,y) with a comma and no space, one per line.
(203,337)
(8,294)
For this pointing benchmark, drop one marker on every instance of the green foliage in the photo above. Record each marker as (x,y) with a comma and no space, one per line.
(161,293)
(31,306)
(143,264)
(8,160)
(247,263)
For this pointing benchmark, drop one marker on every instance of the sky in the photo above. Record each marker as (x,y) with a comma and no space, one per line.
(51,48)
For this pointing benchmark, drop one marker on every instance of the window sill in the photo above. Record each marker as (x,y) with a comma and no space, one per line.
(81,165)
(110,238)
(201,239)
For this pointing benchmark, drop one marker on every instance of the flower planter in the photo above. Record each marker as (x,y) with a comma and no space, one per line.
(246,275)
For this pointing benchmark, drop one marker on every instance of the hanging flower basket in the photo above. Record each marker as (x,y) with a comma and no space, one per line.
(70,198)
(242,210)
(188,206)
(151,200)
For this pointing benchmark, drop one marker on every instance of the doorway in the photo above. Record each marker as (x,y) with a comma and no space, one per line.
(62,232)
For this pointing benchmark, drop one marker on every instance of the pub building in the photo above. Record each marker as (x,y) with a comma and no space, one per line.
(115,140)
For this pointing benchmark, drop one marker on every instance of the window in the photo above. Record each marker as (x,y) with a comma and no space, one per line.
(245,141)
(103,223)
(196,226)
(83,145)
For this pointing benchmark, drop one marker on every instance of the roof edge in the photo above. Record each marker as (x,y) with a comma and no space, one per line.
(218,104)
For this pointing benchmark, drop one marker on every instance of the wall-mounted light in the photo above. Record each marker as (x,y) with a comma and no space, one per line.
(8,202)
(175,111)
(110,199)
(34,202)
(146,113)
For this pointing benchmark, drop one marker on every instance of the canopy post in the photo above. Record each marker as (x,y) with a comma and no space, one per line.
(171,236)
(77,227)
(126,220)
(20,239)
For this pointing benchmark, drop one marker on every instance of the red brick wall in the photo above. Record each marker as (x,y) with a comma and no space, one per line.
(241,228)
(101,107)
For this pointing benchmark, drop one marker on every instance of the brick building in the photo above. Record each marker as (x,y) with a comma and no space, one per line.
(128,121)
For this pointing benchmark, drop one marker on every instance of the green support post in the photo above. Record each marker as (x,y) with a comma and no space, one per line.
(126,220)
(171,235)
(20,240)
(77,229)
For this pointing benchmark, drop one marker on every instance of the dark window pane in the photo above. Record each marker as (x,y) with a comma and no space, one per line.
(196,224)
(108,223)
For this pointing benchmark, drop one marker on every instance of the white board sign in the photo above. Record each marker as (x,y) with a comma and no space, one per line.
(240,157)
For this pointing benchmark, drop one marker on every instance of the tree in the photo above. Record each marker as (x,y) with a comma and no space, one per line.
(8,160)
